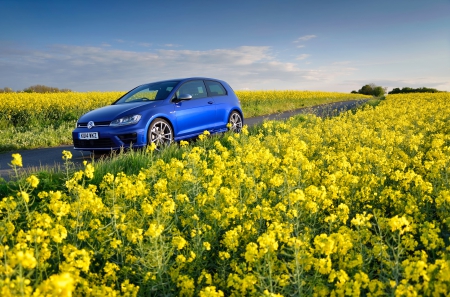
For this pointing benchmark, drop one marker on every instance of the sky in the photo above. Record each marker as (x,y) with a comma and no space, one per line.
(324,45)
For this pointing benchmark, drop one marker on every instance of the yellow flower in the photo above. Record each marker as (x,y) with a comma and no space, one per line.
(151,147)
(192,256)
(207,245)
(33,181)
(26,259)
(67,155)
(210,291)
(83,235)
(267,242)
(251,252)
(17,160)
(154,230)
(399,223)
(89,171)
(25,196)
(186,285)
(61,285)
(110,270)
(59,233)
(324,265)
(224,256)
(115,243)
(269,294)
(180,259)
(362,220)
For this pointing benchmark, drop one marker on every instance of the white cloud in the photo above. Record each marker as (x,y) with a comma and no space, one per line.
(302,57)
(305,38)
(171,45)
(83,68)
(342,63)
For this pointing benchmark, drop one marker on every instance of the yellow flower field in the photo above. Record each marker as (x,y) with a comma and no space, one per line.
(44,120)
(353,205)
(22,109)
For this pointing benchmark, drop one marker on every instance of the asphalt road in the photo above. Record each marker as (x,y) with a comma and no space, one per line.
(46,158)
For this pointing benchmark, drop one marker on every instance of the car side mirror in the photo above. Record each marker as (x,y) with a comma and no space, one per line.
(184,97)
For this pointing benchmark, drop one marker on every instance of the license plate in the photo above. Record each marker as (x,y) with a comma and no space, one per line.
(88,135)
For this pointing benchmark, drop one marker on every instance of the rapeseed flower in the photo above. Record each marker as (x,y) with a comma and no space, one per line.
(17,160)
(33,181)
(66,155)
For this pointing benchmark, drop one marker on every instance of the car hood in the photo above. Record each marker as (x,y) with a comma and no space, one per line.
(112,112)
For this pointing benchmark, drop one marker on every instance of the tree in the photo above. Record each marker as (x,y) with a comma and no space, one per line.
(6,90)
(41,89)
(371,89)
(378,91)
(366,90)
(411,90)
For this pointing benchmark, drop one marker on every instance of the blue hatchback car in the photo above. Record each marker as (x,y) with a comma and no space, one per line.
(160,113)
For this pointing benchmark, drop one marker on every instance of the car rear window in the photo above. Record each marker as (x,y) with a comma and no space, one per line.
(215,88)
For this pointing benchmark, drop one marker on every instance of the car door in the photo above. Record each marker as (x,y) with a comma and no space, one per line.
(221,101)
(197,114)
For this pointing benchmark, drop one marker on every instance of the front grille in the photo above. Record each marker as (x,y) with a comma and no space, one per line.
(94,143)
(97,124)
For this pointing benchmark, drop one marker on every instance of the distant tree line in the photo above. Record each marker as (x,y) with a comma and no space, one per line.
(411,90)
(377,91)
(371,89)
(36,89)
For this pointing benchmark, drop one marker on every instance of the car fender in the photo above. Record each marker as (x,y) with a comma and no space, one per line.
(235,109)
(168,117)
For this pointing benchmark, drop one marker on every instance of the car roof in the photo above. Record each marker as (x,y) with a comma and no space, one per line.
(187,79)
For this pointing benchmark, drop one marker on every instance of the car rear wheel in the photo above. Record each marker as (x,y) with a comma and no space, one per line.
(235,122)
(160,133)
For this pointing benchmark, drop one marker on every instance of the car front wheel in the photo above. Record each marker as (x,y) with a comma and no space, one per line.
(235,122)
(160,133)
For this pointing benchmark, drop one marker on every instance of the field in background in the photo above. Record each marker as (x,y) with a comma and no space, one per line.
(257,103)
(44,120)
(352,205)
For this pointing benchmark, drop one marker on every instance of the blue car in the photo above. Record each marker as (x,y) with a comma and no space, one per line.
(160,113)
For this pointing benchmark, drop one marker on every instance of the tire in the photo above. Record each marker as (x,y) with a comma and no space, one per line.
(160,133)
(235,122)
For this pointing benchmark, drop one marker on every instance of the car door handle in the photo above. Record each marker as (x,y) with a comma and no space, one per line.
(210,102)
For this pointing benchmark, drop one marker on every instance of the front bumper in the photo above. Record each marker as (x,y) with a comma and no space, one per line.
(109,138)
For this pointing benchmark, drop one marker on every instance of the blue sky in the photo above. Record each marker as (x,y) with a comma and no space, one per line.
(252,44)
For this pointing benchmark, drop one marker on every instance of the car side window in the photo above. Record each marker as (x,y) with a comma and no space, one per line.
(195,88)
(215,88)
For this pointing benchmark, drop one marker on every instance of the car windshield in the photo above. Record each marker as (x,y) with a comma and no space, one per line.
(149,92)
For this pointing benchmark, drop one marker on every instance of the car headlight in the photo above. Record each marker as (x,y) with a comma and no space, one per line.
(129,120)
